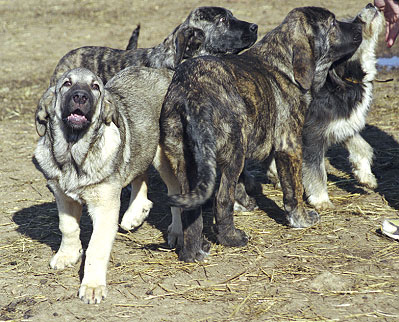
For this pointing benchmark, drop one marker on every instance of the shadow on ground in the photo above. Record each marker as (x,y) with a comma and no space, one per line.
(385,165)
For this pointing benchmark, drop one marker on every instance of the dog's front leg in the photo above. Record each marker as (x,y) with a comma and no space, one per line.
(69,212)
(243,202)
(103,205)
(289,166)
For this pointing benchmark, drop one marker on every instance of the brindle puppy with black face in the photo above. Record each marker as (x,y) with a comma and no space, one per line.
(206,31)
(218,112)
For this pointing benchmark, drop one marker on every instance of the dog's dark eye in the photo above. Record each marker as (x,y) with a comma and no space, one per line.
(222,19)
(67,83)
(333,23)
(95,87)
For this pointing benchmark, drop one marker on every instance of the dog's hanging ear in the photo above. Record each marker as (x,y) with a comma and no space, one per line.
(194,43)
(42,110)
(303,58)
(187,42)
(110,114)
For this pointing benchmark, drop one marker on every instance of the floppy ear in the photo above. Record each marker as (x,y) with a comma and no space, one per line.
(187,42)
(194,43)
(110,114)
(42,111)
(303,61)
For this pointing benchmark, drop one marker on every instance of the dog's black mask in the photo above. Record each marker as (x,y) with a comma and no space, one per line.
(350,39)
(78,107)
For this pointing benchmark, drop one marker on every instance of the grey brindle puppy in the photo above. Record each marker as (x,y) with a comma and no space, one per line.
(207,30)
(220,111)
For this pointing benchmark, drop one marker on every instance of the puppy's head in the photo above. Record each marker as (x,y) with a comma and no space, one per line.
(318,39)
(79,92)
(78,101)
(223,33)
(372,22)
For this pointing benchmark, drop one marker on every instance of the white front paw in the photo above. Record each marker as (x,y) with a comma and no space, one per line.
(63,259)
(136,214)
(92,293)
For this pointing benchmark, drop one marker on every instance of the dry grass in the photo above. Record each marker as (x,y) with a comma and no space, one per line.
(342,269)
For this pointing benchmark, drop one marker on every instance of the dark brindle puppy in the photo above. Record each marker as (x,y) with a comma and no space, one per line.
(220,111)
(338,113)
(207,30)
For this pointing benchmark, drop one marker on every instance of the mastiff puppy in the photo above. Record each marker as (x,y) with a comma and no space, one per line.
(94,140)
(207,30)
(338,113)
(220,111)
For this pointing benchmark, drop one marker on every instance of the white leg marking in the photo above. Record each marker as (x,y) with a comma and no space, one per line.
(103,206)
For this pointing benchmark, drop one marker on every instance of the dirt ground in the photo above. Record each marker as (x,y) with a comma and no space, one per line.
(342,269)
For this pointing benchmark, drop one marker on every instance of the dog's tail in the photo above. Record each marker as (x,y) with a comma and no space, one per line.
(200,154)
(133,40)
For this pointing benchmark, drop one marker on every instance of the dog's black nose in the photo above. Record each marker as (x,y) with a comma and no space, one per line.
(79,98)
(253,27)
(369,6)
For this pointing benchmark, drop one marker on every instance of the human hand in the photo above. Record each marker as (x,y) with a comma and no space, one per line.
(391,13)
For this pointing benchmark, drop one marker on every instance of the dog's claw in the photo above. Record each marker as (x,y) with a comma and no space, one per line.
(62,260)
(303,218)
(232,238)
(92,294)
(197,255)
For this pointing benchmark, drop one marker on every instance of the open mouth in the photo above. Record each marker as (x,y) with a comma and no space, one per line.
(77,119)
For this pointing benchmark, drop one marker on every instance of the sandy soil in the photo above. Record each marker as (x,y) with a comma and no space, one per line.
(342,269)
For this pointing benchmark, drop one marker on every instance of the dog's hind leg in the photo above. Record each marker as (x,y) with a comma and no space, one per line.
(70,251)
(314,173)
(139,205)
(361,157)
(227,234)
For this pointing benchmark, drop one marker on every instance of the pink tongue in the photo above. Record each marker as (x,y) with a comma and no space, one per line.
(75,118)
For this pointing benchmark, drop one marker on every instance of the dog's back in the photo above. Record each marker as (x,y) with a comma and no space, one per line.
(103,61)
